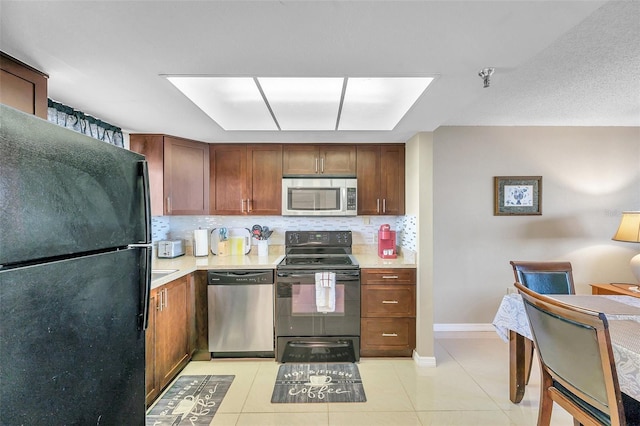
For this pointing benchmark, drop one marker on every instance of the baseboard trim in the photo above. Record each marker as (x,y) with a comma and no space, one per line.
(463,327)
(424,361)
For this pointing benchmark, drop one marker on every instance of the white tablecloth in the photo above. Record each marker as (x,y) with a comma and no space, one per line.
(624,331)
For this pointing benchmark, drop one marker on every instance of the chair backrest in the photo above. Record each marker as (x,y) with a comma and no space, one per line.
(544,277)
(574,348)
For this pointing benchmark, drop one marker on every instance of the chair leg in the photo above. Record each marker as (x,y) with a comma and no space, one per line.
(546,403)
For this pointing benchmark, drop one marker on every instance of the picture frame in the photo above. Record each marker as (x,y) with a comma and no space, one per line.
(517,195)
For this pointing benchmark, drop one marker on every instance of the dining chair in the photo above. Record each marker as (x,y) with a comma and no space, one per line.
(545,277)
(576,361)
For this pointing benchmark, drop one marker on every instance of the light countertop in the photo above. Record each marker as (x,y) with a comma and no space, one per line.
(186,264)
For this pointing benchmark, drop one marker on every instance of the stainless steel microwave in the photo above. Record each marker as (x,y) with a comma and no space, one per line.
(319,197)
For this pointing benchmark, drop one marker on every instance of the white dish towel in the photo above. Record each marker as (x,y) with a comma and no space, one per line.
(326,291)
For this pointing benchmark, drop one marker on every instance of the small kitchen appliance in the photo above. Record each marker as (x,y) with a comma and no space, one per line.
(386,242)
(170,249)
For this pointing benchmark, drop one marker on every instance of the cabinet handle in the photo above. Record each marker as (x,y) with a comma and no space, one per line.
(389,334)
(377,205)
(168,204)
(160,300)
(389,277)
(316,164)
(249,205)
(390,301)
(166,298)
(322,165)
(384,205)
(242,205)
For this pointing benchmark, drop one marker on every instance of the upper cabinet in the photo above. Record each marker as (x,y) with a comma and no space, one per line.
(22,87)
(246,179)
(316,160)
(178,173)
(381,179)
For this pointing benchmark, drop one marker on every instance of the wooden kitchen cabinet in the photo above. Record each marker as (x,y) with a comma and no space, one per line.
(246,179)
(170,334)
(178,173)
(23,87)
(319,160)
(381,185)
(388,312)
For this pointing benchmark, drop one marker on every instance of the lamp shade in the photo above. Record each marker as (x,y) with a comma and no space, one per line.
(629,229)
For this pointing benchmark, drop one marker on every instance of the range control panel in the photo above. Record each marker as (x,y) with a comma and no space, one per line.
(318,238)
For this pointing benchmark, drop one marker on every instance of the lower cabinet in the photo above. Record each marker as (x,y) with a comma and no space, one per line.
(170,333)
(388,312)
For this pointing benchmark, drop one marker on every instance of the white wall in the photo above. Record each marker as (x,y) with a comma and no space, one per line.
(590,175)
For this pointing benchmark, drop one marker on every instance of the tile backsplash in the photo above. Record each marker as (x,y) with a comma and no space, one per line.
(364,228)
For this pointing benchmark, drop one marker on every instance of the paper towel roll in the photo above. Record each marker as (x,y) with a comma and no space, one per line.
(200,242)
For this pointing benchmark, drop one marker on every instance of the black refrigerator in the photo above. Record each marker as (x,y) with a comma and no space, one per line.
(75,272)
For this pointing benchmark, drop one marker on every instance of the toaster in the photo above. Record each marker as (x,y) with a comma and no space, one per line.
(170,249)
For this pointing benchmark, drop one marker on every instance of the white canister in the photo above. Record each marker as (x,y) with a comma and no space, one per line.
(263,248)
(201,242)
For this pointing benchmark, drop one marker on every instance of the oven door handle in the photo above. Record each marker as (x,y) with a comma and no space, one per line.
(342,276)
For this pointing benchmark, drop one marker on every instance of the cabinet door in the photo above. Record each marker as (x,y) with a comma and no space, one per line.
(264,179)
(172,329)
(300,160)
(152,147)
(380,173)
(186,176)
(22,87)
(338,160)
(228,179)
(151,379)
(392,179)
(368,174)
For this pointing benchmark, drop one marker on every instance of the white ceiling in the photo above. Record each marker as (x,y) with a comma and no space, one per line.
(558,63)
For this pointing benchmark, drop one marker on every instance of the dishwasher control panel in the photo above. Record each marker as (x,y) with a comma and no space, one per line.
(230,277)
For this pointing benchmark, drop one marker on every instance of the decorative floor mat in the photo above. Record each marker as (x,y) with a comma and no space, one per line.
(318,382)
(191,400)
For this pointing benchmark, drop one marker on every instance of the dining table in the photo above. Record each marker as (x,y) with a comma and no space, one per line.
(623,316)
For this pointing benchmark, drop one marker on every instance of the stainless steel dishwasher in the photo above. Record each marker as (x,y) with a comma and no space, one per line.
(241,313)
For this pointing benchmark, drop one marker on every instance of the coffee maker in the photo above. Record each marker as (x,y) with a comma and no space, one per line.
(386,242)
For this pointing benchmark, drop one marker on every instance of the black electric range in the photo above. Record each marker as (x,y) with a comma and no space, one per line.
(304,331)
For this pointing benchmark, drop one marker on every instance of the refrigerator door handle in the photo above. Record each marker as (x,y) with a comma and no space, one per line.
(144,172)
(145,287)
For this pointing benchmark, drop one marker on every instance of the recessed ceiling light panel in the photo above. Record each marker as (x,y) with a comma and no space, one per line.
(235,103)
(379,103)
(303,103)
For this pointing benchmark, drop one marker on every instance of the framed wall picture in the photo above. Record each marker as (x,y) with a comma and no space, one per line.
(517,195)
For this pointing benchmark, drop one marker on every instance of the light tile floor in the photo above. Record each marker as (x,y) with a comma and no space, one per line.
(468,387)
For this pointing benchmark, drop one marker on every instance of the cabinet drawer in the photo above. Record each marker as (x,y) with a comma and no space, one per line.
(389,300)
(389,276)
(388,335)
